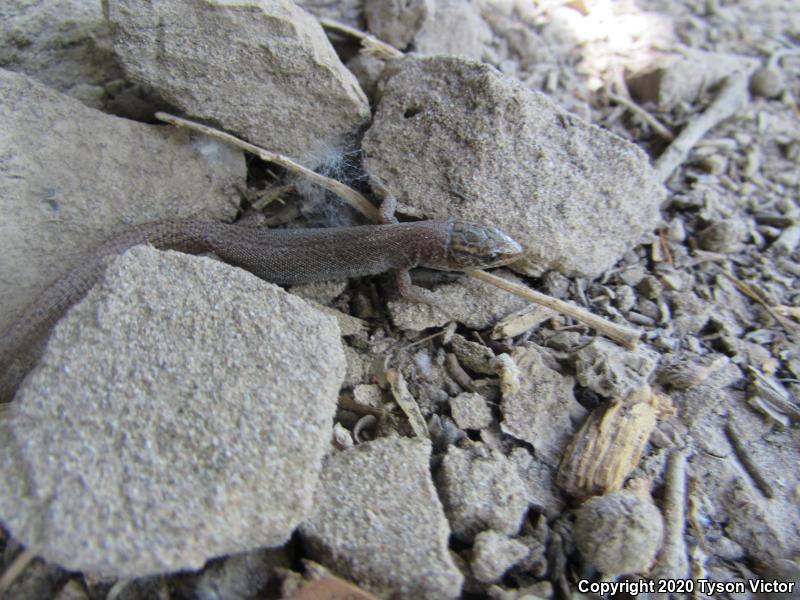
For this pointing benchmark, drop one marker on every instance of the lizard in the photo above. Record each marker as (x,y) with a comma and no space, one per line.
(281,256)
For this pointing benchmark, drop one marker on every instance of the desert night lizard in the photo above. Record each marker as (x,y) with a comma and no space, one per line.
(283,256)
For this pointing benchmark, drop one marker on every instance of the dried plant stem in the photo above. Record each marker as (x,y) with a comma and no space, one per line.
(775,58)
(731,98)
(625,336)
(360,409)
(643,114)
(673,562)
(748,463)
(118,588)
(751,293)
(369,42)
(349,195)
(15,569)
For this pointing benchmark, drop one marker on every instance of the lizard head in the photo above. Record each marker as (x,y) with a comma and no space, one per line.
(475,246)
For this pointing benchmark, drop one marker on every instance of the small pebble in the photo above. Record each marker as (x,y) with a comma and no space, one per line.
(342,437)
(650,287)
(619,533)
(768,82)
(676,231)
(493,554)
(724,236)
(470,411)
(714,164)
(626,298)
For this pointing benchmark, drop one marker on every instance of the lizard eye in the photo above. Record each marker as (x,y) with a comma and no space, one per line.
(480,246)
(473,236)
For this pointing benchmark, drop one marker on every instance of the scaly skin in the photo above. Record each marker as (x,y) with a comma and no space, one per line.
(284,256)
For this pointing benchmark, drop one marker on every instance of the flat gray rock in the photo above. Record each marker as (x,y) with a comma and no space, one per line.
(397,22)
(62,43)
(452,27)
(70,176)
(670,79)
(476,304)
(611,370)
(493,554)
(262,69)
(349,12)
(380,522)
(538,479)
(180,412)
(238,577)
(480,490)
(470,411)
(541,411)
(488,149)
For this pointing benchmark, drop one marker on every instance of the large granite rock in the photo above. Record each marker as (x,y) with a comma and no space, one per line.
(180,412)
(262,69)
(485,148)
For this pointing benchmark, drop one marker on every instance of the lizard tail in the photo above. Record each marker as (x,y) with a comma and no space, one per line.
(39,317)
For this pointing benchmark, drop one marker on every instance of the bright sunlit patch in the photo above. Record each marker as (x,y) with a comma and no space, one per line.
(610,36)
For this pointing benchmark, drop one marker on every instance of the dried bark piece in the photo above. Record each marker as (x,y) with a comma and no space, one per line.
(610,443)
(407,402)
(331,588)
(521,321)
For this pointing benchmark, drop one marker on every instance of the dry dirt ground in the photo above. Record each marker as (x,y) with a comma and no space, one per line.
(678,461)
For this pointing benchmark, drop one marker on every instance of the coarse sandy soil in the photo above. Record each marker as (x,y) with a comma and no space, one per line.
(714,290)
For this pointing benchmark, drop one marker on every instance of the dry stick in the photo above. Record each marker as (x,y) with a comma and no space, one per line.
(352,197)
(15,569)
(626,336)
(116,590)
(643,114)
(358,408)
(672,561)
(748,291)
(740,449)
(370,43)
(731,98)
(457,372)
(774,60)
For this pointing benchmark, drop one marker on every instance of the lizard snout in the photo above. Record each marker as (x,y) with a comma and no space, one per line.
(476,246)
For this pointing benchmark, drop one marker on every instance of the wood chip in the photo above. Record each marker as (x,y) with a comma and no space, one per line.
(407,402)
(331,588)
(521,321)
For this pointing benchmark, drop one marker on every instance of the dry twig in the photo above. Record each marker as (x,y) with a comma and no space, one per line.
(352,197)
(731,98)
(622,335)
(749,465)
(407,402)
(330,587)
(15,569)
(643,114)
(369,43)
(673,562)
(751,293)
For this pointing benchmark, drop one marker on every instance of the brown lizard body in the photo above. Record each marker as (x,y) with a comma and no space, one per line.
(284,256)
